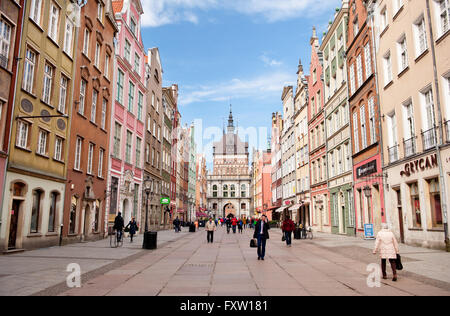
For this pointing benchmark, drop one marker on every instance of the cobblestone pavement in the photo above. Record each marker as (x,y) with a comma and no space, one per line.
(186,265)
(327,265)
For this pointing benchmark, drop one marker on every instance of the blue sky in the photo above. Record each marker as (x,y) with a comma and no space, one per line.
(239,50)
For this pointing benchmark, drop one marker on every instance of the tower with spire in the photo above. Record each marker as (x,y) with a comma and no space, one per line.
(230,122)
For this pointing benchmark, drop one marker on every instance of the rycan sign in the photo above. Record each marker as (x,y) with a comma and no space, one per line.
(421,164)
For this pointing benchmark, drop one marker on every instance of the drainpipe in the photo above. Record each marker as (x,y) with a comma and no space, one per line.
(12,98)
(372,25)
(441,135)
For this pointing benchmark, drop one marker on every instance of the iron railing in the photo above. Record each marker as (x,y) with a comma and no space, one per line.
(393,153)
(429,139)
(409,147)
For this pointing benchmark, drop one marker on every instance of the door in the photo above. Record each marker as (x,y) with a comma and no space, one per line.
(87,220)
(14,223)
(400,222)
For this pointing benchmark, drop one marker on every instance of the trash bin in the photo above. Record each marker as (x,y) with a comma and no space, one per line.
(192,228)
(297,233)
(150,240)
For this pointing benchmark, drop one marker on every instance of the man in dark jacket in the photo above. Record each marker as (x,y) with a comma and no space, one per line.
(118,226)
(228,225)
(176,224)
(262,234)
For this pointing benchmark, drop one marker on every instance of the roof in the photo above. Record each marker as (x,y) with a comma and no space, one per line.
(117,6)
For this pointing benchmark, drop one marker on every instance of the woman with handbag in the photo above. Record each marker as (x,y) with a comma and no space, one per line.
(387,245)
(132,228)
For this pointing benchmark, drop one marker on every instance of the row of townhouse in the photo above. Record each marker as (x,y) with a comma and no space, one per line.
(86,128)
(371,125)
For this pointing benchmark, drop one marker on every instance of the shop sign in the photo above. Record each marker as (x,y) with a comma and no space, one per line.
(367,169)
(421,164)
(165,201)
(368,231)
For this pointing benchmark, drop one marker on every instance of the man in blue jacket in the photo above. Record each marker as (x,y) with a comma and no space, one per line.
(262,234)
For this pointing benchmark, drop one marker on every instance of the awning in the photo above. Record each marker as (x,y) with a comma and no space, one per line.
(281,209)
(295,207)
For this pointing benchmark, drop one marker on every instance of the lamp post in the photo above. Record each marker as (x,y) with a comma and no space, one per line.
(148,190)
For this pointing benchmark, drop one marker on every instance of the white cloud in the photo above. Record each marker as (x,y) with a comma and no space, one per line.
(161,12)
(270,62)
(259,87)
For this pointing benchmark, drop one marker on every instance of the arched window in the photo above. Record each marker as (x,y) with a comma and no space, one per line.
(73,215)
(225,190)
(36,210)
(233,190)
(243,190)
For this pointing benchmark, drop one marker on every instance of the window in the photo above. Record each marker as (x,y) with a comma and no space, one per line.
(402,53)
(359,70)
(5,43)
(420,37)
(90,158)
(128,51)
(444,15)
(29,68)
(68,37)
(35,11)
(368,60)
(58,148)
(82,97)
(87,38)
(355,132)
(48,82)
(147,153)
(73,215)
(243,191)
(233,190)
(104,106)
(398,4)
(225,190)
(153,156)
(409,115)
(128,147)
(435,200)
(372,127)
(22,134)
(52,212)
(131,98)
(97,55)
(140,105)
(100,12)
(352,79)
(214,190)
(355,27)
(120,78)
(429,109)
(138,152)
(42,143)
(94,106)
(383,19)
(387,68)
(53,25)
(362,114)
(63,94)
(415,205)
(107,59)
(137,63)
(78,148)
(35,211)
(133,27)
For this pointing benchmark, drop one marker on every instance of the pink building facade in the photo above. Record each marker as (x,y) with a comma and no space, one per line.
(128,115)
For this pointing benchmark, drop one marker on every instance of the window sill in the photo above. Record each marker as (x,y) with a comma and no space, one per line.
(53,41)
(442,37)
(415,229)
(51,234)
(78,171)
(29,93)
(86,56)
(47,104)
(398,13)
(418,58)
(403,72)
(36,24)
(82,115)
(390,83)
(98,69)
(34,235)
(436,229)
(106,78)
(93,123)
(384,31)
(24,149)
(68,55)
(58,161)
(42,155)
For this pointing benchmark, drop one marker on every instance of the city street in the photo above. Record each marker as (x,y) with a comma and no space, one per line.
(186,265)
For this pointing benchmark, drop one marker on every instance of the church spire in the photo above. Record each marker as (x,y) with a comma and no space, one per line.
(231,122)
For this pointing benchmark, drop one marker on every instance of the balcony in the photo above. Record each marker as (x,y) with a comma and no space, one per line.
(393,153)
(447,131)
(429,139)
(409,146)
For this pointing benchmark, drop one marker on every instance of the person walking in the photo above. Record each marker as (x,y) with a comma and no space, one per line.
(118,226)
(287,228)
(228,225)
(387,245)
(240,224)
(176,224)
(244,222)
(133,228)
(210,228)
(262,234)
(234,222)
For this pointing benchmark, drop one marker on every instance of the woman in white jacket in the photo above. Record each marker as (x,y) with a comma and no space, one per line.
(387,245)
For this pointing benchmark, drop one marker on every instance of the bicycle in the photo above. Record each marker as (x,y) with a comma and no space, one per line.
(116,240)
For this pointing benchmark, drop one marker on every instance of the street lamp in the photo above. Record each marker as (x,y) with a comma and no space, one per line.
(148,183)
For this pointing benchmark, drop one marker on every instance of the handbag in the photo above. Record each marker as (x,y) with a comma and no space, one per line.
(127,230)
(253,243)
(283,238)
(398,262)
